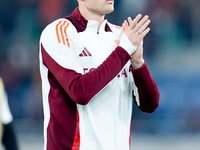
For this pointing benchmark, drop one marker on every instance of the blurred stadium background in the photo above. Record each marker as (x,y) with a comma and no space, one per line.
(172,52)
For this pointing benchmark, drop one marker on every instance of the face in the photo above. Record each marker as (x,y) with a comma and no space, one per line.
(100,7)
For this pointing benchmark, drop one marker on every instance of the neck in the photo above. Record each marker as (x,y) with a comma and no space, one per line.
(88,15)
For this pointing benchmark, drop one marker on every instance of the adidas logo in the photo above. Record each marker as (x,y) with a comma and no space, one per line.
(85,53)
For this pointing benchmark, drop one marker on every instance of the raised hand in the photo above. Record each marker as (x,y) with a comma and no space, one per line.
(136,30)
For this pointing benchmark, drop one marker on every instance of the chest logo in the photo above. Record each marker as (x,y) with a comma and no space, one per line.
(85,53)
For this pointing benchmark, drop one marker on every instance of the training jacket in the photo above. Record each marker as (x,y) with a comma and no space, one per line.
(88,85)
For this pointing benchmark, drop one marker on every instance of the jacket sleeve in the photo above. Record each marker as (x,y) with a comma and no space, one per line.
(82,87)
(147,89)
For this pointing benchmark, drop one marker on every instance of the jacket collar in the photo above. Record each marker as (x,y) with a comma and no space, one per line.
(81,24)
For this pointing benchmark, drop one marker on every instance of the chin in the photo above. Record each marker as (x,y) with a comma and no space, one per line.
(109,10)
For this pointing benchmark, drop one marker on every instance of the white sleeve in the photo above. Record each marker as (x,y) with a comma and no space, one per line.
(5,114)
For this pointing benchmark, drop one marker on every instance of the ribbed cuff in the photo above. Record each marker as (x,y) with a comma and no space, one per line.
(138,69)
(127,45)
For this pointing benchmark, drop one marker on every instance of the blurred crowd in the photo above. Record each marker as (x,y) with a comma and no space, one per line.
(174,31)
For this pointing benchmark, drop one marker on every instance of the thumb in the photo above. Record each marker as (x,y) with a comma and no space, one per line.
(122,30)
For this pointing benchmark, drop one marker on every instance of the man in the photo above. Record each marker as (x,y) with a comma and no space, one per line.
(7,134)
(91,70)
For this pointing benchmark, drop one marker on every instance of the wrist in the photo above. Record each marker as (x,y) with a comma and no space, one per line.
(137,64)
(126,44)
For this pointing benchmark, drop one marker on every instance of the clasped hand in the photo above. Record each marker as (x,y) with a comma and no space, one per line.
(136,30)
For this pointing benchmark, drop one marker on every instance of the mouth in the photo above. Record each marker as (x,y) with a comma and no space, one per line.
(110,1)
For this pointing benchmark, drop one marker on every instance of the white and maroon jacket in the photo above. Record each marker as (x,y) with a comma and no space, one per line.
(88,86)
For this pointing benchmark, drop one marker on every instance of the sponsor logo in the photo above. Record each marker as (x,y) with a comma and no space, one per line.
(123,73)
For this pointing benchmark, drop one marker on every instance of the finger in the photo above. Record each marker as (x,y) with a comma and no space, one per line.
(137,18)
(143,34)
(144,26)
(129,20)
(122,25)
(135,21)
(126,24)
(122,30)
(142,21)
